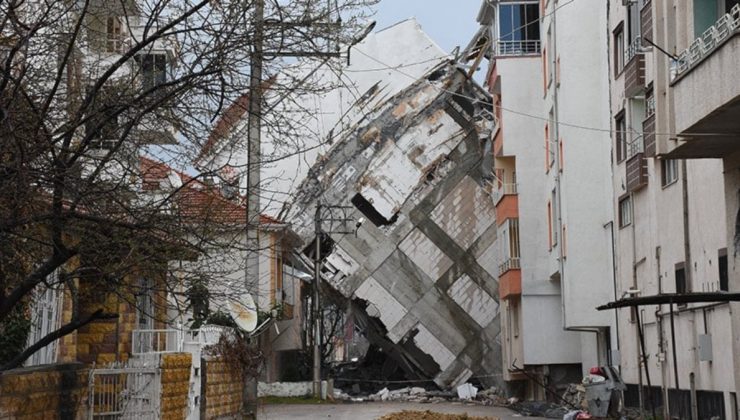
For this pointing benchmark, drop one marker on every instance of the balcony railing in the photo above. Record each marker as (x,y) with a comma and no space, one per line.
(704,45)
(156,341)
(520,47)
(510,264)
(635,146)
(172,340)
(633,49)
(505,189)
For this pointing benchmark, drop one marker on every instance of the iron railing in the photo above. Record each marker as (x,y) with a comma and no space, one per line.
(519,47)
(704,45)
(635,146)
(498,193)
(510,264)
(173,340)
(632,50)
(124,392)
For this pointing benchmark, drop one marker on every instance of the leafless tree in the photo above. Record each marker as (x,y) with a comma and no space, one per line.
(89,86)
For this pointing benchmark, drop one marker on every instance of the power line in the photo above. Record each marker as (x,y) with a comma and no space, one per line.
(537,117)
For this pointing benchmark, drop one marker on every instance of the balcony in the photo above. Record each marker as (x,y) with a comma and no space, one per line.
(634,69)
(510,279)
(507,208)
(636,171)
(518,48)
(501,191)
(173,340)
(707,93)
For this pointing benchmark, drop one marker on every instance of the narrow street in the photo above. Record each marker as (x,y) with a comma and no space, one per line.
(374,410)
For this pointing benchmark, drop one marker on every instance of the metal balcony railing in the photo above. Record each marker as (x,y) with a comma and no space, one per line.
(635,146)
(520,47)
(702,47)
(498,193)
(632,50)
(510,264)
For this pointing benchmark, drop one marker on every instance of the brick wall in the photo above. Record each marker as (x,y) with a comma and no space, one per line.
(44,392)
(175,385)
(223,390)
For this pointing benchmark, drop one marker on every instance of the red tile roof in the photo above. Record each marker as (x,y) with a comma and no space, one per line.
(195,200)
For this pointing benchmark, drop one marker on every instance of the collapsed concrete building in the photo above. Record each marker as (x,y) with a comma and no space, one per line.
(421,266)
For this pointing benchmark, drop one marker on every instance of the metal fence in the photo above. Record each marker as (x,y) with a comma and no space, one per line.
(124,392)
(156,341)
(518,47)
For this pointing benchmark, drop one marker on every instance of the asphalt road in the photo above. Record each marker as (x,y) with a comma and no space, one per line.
(373,410)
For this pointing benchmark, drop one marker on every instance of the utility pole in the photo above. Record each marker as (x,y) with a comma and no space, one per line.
(337,225)
(254,129)
(317,306)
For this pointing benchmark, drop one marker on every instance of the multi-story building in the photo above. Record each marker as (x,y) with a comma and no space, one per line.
(552,188)
(673,101)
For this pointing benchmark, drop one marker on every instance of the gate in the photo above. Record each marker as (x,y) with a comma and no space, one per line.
(124,392)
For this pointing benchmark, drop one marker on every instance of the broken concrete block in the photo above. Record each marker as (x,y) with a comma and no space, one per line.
(466,391)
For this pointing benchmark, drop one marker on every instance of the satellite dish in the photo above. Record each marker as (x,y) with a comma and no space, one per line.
(244,313)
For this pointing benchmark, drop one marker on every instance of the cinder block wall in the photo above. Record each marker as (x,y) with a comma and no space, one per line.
(44,392)
(175,385)
(223,391)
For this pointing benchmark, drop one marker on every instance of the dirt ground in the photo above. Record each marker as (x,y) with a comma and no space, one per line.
(429,415)
(376,410)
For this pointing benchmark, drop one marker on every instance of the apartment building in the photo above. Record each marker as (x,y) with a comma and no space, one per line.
(674,120)
(552,188)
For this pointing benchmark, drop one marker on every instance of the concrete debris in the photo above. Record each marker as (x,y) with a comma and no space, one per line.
(489,397)
(575,394)
(420,266)
(539,409)
(466,391)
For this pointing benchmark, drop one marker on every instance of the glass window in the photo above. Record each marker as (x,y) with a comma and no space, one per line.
(669,171)
(620,134)
(724,284)
(153,70)
(519,27)
(625,212)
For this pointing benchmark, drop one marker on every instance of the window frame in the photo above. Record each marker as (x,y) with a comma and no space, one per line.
(665,181)
(625,221)
(509,37)
(722,254)
(620,135)
(618,46)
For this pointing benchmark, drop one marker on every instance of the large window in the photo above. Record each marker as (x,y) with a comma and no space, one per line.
(724,283)
(518,28)
(45,313)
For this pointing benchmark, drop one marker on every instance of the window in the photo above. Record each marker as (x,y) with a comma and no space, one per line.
(102,124)
(668,171)
(114,32)
(620,136)
(681,283)
(625,212)
(549,225)
(547,146)
(153,70)
(724,284)
(45,318)
(565,249)
(518,28)
(555,217)
(560,155)
(618,49)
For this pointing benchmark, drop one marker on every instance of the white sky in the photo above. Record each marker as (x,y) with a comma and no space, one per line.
(448,22)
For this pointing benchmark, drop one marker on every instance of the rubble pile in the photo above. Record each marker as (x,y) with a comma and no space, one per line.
(489,397)
(575,394)
(428,415)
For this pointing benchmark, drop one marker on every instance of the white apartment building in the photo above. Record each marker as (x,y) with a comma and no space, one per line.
(552,188)
(674,97)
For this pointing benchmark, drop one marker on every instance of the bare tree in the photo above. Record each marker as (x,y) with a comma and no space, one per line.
(86,88)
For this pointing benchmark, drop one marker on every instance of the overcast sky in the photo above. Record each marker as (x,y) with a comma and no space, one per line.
(448,22)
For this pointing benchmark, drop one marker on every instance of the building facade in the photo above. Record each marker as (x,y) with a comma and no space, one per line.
(674,112)
(552,188)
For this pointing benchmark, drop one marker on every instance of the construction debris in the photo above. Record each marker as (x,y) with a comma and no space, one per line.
(428,415)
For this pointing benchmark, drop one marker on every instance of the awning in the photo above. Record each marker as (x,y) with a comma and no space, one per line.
(669,298)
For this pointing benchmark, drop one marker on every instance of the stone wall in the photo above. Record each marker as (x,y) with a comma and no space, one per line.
(45,392)
(284,389)
(175,385)
(223,390)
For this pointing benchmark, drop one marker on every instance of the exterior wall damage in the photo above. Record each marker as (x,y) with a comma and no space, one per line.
(414,168)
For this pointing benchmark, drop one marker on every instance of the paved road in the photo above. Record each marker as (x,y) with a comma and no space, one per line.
(372,411)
